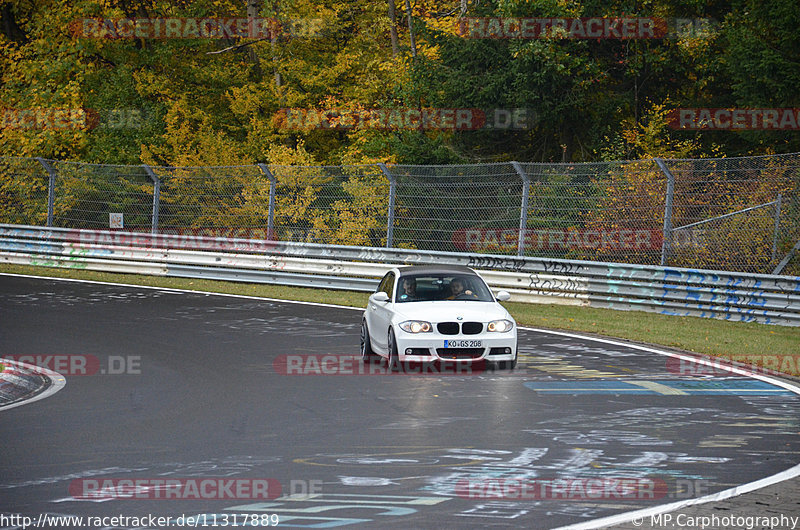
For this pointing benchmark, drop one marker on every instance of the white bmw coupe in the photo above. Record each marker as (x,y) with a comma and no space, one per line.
(430,313)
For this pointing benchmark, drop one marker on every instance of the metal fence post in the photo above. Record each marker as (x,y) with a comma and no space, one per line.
(523,214)
(390,213)
(273,183)
(666,243)
(156,197)
(777,227)
(786,259)
(51,190)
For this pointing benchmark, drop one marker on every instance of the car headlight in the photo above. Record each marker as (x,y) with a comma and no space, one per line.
(416,326)
(500,326)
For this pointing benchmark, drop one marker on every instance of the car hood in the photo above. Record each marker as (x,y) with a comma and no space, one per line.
(450,310)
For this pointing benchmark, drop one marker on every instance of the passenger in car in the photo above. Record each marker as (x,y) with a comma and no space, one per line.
(457,288)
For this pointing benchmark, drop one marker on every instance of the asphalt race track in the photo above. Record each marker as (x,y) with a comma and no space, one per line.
(191,387)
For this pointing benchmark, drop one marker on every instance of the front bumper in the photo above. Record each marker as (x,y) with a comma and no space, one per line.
(426,347)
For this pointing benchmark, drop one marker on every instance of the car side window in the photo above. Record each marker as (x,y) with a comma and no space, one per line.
(387,284)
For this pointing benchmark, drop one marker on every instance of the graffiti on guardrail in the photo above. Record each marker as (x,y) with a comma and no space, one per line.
(495,262)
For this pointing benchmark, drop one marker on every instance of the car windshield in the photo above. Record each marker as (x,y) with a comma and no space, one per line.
(431,287)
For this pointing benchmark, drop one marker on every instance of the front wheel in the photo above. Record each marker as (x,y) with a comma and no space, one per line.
(394,357)
(366,348)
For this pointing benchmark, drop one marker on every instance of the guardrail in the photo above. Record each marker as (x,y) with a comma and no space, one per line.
(768,299)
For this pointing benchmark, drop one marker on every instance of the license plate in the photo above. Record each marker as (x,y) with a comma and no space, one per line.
(463,344)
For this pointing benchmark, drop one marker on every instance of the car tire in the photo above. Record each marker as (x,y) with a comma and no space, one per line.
(367,353)
(394,357)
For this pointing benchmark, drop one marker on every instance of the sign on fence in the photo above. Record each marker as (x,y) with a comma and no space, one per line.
(115,220)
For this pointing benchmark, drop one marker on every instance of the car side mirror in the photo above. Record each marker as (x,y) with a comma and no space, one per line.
(380,297)
(503,296)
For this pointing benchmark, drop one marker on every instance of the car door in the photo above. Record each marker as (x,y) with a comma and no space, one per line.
(379,314)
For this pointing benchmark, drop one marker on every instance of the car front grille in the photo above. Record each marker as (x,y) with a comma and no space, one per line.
(453,328)
(447,328)
(459,353)
(471,328)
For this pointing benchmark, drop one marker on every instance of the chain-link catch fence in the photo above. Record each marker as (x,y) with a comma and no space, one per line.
(738,214)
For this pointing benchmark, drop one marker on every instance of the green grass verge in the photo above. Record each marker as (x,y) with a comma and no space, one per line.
(700,335)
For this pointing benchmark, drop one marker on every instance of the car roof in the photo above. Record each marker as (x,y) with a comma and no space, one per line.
(435,269)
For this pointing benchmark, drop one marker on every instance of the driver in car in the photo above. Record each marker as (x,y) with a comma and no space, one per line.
(457,289)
